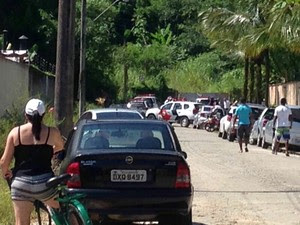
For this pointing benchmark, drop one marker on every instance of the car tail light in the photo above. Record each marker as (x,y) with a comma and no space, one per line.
(202,114)
(264,122)
(195,111)
(229,117)
(183,177)
(73,170)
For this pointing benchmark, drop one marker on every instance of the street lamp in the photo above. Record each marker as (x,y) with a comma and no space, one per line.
(81,85)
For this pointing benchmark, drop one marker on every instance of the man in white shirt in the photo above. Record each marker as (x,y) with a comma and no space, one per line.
(282,123)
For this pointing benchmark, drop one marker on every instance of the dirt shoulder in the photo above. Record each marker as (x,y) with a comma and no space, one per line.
(234,188)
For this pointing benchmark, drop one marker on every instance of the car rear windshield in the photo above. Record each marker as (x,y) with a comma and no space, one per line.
(126,135)
(138,105)
(256,112)
(118,115)
(206,109)
(204,101)
(296,115)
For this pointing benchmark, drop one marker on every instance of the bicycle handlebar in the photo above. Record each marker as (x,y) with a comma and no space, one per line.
(55,181)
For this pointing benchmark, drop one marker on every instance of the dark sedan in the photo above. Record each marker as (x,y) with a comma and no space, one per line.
(130,170)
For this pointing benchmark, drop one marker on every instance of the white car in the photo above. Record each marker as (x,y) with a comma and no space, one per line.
(225,122)
(152,113)
(203,100)
(182,112)
(267,135)
(110,113)
(231,131)
(202,116)
(149,98)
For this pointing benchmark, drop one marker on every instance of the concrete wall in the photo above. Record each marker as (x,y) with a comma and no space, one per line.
(290,91)
(41,85)
(14,79)
(19,82)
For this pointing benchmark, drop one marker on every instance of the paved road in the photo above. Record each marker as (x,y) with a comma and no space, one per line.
(240,188)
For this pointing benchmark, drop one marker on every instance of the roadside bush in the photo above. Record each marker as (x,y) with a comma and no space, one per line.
(6,209)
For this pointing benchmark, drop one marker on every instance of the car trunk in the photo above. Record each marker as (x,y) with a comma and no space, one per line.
(128,170)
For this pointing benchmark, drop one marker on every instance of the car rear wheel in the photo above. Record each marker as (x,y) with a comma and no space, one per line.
(220,134)
(151,117)
(264,144)
(184,121)
(224,135)
(176,219)
(252,141)
(258,142)
(230,136)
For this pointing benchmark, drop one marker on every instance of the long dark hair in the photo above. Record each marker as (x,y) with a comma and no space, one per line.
(36,121)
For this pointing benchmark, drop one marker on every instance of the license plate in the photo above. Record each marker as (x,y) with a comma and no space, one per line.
(128,175)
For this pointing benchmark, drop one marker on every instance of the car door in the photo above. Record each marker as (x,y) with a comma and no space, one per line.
(260,120)
(268,133)
(166,111)
(176,111)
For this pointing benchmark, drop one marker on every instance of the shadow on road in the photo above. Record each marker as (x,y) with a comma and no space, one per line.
(200,224)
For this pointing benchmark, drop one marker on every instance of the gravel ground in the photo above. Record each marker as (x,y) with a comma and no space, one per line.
(240,188)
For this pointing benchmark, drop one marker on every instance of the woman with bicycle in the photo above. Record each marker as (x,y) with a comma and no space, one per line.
(32,145)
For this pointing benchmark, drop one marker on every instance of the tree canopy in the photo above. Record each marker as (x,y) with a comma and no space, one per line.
(164,46)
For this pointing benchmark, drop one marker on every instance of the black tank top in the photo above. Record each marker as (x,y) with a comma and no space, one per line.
(31,160)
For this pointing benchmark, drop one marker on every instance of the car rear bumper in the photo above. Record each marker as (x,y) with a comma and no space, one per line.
(137,202)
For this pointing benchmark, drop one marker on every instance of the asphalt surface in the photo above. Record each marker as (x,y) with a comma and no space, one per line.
(240,188)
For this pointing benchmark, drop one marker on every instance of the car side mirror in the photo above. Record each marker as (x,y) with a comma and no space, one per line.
(184,154)
(61,155)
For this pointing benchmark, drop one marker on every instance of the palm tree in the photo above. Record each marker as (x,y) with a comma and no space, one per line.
(253,36)
(228,31)
(284,27)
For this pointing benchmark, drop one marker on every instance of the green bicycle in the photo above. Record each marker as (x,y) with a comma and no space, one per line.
(71,211)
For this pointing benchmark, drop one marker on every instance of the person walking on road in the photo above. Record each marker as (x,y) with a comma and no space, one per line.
(282,124)
(243,113)
(226,105)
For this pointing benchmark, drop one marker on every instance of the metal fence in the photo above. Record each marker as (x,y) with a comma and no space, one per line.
(43,64)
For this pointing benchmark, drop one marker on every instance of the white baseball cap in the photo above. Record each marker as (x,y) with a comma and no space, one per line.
(35,105)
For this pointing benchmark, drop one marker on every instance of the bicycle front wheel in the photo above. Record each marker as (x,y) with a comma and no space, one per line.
(77,214)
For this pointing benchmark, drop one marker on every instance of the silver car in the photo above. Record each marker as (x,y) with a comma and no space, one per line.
(268,134)
(259,126)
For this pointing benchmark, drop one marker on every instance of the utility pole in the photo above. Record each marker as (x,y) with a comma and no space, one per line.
(82,79)
(64,81)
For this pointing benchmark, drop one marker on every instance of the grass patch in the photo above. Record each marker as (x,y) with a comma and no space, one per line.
(6,208)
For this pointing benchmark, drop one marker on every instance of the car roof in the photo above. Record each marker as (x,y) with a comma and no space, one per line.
(133,121)
(112,110)
(256,105)
(100,110)
(294,106)
(188,102)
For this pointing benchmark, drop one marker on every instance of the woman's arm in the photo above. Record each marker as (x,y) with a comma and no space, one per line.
(7,156)
(57,140)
